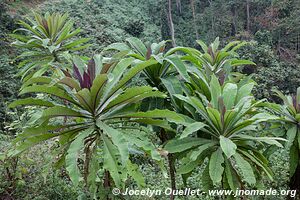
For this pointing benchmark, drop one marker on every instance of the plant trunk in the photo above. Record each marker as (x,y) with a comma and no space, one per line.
(164,137)
(172,175)
(170,22)
(248,15)
(178,5)
(106,182)
(234,20)
(194,18)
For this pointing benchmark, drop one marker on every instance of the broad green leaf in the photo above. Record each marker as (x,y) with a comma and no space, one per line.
(157,114)
(61,111)
(231,176)
(206,180)
(268,140)
(118,140)
(142,141)
(188,165)
(228,147)
(134,172)
(192,128)
(131,73)
(111,160)
(245,168)
(215,91)
(73,155)
(215,166)
(291,135)
(53,90)
(137,45)
(179,65)
(237,62)
(294,159)
(244,91)
(179,145)
(229,95)
(199,150)
(30,101)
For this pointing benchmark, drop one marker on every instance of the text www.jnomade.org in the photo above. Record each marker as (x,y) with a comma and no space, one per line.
(197,192)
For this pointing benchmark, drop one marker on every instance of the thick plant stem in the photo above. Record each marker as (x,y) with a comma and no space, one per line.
(164,137)
(106,182)
(172,174)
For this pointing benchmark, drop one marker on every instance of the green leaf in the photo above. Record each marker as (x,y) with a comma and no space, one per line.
(73,155)
(291,135)
(131,73)
(215,91)
(179,65)
(188,165)
(30,101)
(112,162)
(53,90)
(137,45)
(206,180)
(179,145)
(118,140)
(142,141)
(294,159)
(192,128)
(237,62)
(229,95)
(134,94)
(215,166)
(134,172)
(231,176)
(245,168)
(199,150)
(157,114)
(203,45)
(228,147)
(61,111)
(244,91)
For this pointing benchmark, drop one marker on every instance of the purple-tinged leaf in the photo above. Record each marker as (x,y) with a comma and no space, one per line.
(149,52)
(45,24)
(294,102)
(86,80)
(77,75)
(92,69)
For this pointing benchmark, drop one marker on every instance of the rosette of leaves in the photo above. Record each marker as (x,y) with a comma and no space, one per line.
(95,102)
(224,134)
(290,113)
(212,60)
(168,64)
(46,39)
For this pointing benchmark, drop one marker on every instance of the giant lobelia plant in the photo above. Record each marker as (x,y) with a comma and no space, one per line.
(46,40)
(290,118)
(96,103)
(167,68)
(225,133)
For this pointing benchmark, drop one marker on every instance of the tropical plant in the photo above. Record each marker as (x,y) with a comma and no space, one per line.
(46,39)
(290,113)
(96,104)
(167,64)
(225,132)
(156,75)
(213,60)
